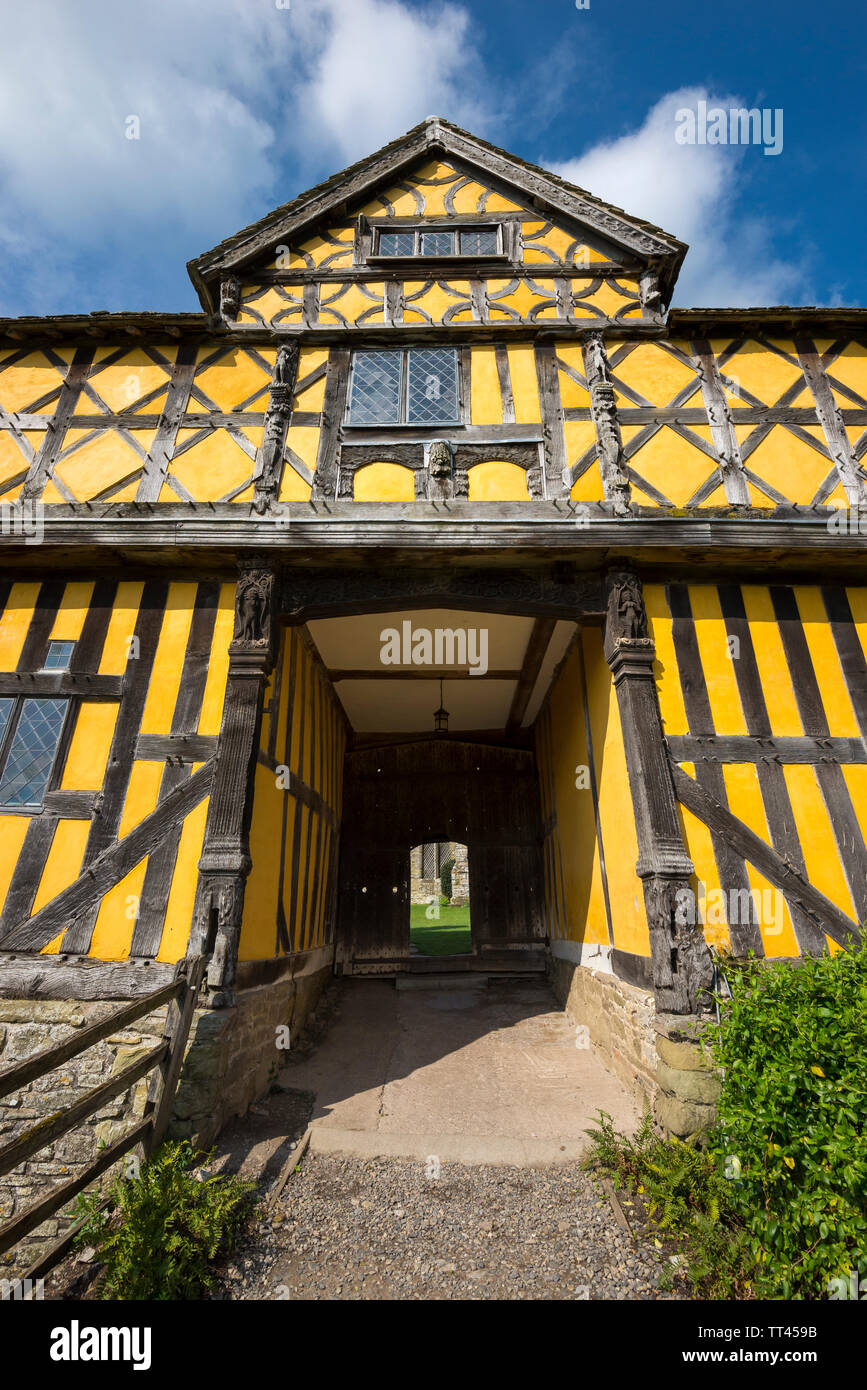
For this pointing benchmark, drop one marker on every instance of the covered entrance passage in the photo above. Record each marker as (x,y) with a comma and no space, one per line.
(401,794)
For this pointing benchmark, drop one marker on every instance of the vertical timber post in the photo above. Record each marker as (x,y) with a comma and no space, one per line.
(680,961)
(225,861)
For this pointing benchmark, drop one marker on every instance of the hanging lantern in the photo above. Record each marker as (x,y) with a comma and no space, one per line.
(441,716)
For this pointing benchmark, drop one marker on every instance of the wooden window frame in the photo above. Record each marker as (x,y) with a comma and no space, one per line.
(457,258)
(405,424)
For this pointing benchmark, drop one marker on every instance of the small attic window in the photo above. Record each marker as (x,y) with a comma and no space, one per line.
(439,241)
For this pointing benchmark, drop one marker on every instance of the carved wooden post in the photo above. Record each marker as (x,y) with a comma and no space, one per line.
(269,464)
(230,297)
(603,408)
(680,961)
(440,468)
(225,861)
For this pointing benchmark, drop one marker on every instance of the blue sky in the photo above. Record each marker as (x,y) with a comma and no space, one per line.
(241,104)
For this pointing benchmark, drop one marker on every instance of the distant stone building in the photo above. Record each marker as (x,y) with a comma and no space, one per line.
(426,864)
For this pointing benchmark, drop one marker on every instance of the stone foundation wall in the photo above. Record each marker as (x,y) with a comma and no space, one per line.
(231,1060)
(685,1104)
(28,1026)
(659,1057)
(620,1021)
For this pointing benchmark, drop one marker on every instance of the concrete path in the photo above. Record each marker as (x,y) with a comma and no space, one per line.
(465,1069)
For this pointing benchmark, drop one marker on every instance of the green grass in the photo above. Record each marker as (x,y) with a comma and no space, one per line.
(447,935)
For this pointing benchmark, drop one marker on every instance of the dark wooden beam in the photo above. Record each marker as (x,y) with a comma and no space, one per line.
(537,646)
(720,821)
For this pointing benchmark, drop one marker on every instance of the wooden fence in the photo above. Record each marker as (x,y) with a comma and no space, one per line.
(164,1061)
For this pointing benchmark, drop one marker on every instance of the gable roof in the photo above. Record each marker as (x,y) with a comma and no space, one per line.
(434,136)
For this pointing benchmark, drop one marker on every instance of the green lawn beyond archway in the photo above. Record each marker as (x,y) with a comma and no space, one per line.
(446,935)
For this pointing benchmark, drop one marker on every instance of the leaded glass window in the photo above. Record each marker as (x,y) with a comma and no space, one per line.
(393,386)
(397,244)
(479,241)
(29,749)
(432,395)
(376,388)
(439,242)
(59,656)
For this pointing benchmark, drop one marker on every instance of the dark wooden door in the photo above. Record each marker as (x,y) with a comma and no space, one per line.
(406,794)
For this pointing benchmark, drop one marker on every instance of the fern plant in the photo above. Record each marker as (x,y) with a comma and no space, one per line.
(167,1227)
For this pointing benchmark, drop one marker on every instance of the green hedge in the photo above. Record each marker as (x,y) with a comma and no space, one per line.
(792,1134)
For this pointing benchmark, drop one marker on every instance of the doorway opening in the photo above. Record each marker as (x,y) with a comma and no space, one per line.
(439,912)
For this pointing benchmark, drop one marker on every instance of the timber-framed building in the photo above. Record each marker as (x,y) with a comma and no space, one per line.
(441,392)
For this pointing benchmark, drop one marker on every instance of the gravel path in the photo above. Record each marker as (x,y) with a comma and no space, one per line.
(346,1228)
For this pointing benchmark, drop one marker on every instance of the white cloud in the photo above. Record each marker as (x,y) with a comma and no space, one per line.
(377,67)
(696,193)
(240,105)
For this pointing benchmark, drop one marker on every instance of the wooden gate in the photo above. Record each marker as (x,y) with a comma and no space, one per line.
(401,795)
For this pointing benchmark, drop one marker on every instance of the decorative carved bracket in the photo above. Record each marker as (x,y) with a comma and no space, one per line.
(269,464)
(230,297)
(603,408)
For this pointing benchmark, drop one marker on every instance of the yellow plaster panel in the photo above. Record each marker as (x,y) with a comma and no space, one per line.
(654,373)
(673,465)
(608,299)
(233,379)
(354,303)
(15,622)
(666,672)
(525,385)
(384,482)
(63,864)
(12,832)
(849,368)
(216,465)
(115,921)
(179,912)
(745,801)
(771,662)
(141,796)
(168,664)
(782,459)
(576,891)
(122,383)
(12,461)
(303,440)
(91,743)
(762,373)
(722,690)
(486,403)
(699,847)
(826,663)
(121,627)
(105,459)
(821,857)
(625,892)
(259,926)
(218,666)
(72,612)
(498,482)
(23,384)
(466,199)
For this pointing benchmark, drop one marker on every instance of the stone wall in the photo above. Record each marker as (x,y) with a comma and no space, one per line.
(619,1019)
(659,1057)
(685,1104)
(28,1026)
(231,1059)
